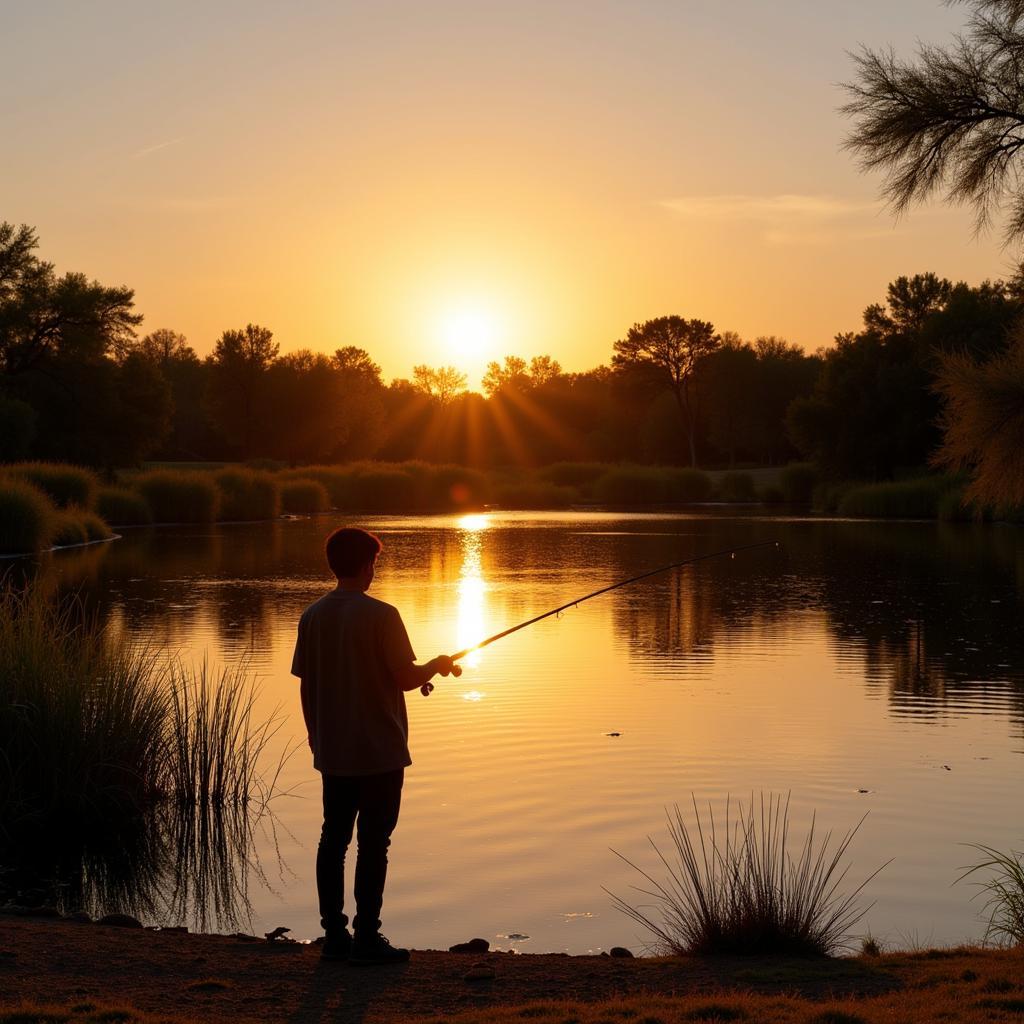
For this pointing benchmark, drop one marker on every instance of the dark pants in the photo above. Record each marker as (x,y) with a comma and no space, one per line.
(373,801)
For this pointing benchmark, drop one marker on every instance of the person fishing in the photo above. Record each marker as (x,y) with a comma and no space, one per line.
(355,664)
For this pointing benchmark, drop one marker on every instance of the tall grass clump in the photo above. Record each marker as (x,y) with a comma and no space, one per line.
(64,484)
(247,494)
(304,496)
(797,481)
(447,487)
(897,499)
(376,487)
(581,475)
(632,485)
(827,495)
(688,485)
(532,494)
(736,487)
(336,480)
(120,506)
(1003,893)
(68,529)
(742,887)
(27,518)
(179,497)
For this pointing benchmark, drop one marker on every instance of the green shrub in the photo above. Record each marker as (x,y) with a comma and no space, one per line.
(179,497)
(737,487)
(797,481)
(247,494)
(771,494)
(66,485)
(534,494)
(897,499)
(27,518)
(120,506)
(303,496)
(17,428)
(68,529)
(688,484)
(632,485)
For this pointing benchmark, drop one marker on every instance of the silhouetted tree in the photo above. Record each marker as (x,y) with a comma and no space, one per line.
(951,119)
(443,382)
(240,362)
(673,347)
(983,423)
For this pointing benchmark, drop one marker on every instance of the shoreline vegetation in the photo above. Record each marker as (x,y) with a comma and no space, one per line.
(58,971)
(48,506)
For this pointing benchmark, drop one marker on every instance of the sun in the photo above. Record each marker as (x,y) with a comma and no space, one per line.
(470,332)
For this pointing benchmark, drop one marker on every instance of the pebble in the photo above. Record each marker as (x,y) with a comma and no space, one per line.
(120,921)
(620,951)
(473,946)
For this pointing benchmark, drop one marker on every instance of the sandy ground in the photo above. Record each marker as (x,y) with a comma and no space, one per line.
(211,977)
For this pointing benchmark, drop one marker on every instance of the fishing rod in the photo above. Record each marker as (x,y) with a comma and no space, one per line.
(732,552)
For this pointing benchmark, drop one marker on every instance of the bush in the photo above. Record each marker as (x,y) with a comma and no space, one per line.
(772,495)
(582,475)
(688,484)
(120,506)
(27,518)
(304,496)
(179,497)
(334,479)
(737,890)
(447,487)
(17,428)
(95,527)
(632,485)
(826,497)
(797,481)
(953,508)
(247,494)
(382,490)
(898,499)
(66,485)
(737,487)
(68,529)
(533,494)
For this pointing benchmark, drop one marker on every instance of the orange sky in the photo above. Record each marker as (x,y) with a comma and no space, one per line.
(447,182)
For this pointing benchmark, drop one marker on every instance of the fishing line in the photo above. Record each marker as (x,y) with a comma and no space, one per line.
(427,687)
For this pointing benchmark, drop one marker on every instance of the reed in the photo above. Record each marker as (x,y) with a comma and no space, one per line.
(735,888)
(27,518)
(304,496)
(120,506)
(179,497)
(1003,893)
(898,499)
(64,484)
(247,494)
(68,529)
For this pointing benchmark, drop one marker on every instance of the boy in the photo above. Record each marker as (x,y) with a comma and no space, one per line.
(355,662)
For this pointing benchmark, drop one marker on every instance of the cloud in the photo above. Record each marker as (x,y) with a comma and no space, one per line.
(155,148)
(788,219)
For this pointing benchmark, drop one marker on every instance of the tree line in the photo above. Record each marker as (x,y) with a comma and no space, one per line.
(78,381)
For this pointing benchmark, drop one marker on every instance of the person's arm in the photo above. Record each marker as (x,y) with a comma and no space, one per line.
(414,677)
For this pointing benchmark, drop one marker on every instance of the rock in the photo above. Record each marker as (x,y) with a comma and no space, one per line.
(244,937)
(276,934)
(120,921)
(620,951)
(479,972)
(80,916)
(473,946)
(176,929)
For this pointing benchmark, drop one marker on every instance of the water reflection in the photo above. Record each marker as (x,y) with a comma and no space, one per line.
(473,589)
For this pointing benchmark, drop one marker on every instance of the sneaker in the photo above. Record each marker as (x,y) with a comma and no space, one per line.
(337,945)
(375,949)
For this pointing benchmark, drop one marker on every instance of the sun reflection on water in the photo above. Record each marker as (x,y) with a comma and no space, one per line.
(472,586)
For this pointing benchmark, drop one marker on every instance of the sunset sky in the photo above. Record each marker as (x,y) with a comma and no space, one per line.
(445,182)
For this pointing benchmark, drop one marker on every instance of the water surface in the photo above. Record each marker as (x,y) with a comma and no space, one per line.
(862,667)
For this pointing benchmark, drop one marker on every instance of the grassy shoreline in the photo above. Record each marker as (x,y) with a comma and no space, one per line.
(66,966)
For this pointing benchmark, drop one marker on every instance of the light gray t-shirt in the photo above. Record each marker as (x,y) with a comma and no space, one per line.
(348,650)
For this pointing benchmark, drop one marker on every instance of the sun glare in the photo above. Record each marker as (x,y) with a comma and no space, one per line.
(470,332)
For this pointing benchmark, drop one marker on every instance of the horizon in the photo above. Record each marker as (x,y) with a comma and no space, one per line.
(452,186)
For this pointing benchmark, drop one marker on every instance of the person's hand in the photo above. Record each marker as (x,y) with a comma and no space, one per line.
(447,667)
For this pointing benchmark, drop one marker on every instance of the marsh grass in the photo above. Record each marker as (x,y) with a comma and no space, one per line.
(740,886)
(68,529)
(179,497)
(247,494)
(1002,892)
(736,487)
(304,496)
(120,506)
(64,484)
(27,517)
(919,498)
(797,481)
(533,494)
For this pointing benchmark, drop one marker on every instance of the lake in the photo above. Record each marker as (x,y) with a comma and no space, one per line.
(862,667)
